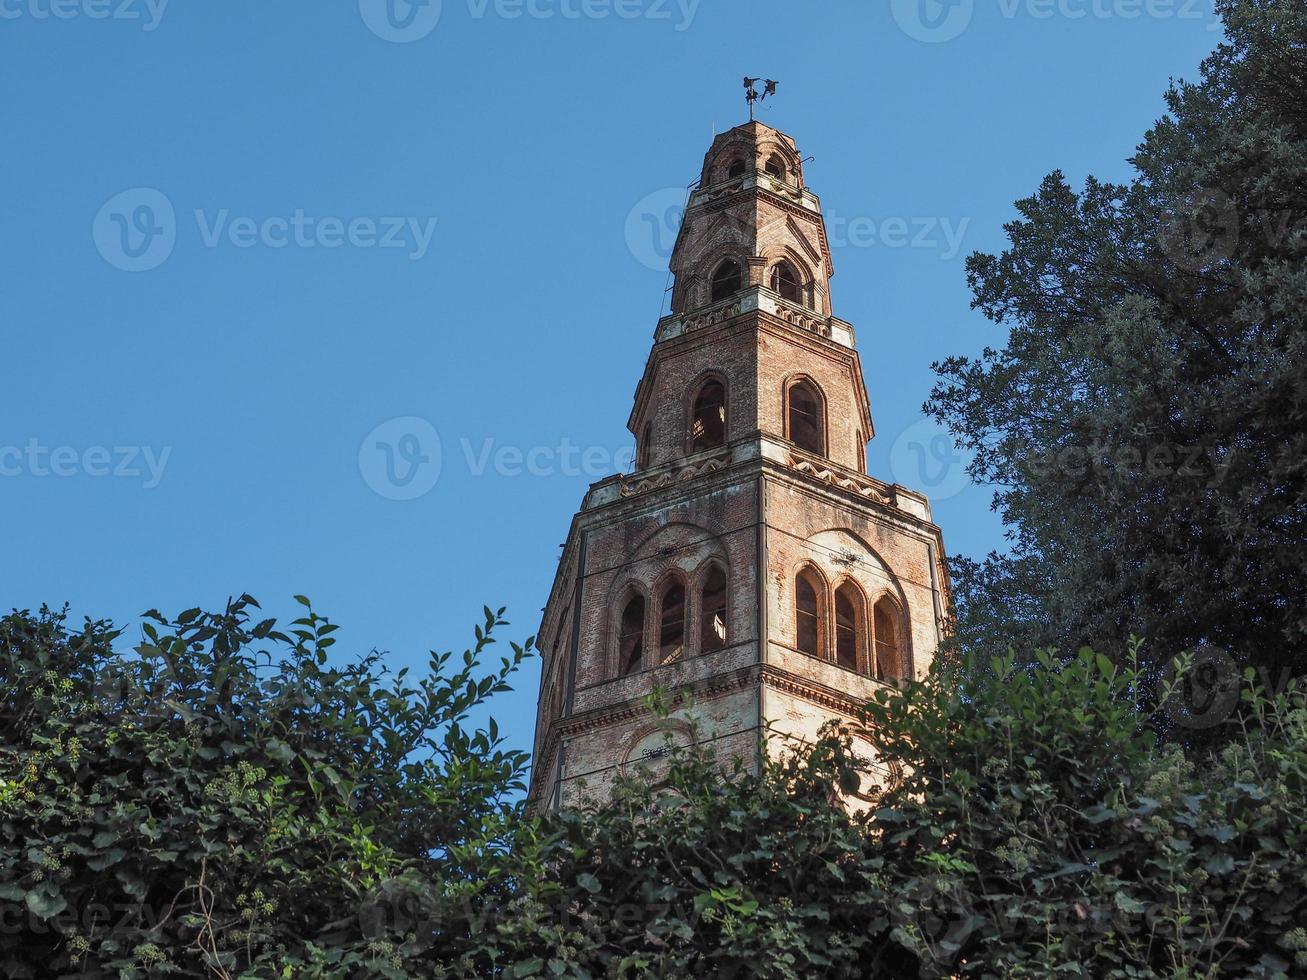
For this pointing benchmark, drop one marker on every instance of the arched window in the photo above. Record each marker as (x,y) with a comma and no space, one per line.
(725,281)
(736,169)
(809,594)
(644,453)
(850,619)
(712,610)
(671,627)
(806,418)
(785,282)
(630,637)
(775,167)
(889,664)
(708,418)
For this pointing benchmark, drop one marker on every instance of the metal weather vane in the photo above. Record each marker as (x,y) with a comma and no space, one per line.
(751,93)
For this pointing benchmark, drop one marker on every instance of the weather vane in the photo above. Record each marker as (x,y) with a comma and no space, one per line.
(751,94)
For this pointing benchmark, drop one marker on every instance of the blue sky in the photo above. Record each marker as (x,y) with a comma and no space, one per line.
(446,214)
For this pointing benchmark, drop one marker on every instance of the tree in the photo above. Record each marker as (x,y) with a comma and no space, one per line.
(230,801)
(1146,421)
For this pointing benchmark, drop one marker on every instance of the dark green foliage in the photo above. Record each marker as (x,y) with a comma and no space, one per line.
(223,802)
(229,803)
(1146,421)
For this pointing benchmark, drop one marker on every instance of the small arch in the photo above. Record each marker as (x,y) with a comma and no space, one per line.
(712,610)
(726,281)
(775,166)
(630,635)
(708,416)
(809,611)
(887,626)
(785,280)
(805,416)
(850,626)
(736,168)
(671,620)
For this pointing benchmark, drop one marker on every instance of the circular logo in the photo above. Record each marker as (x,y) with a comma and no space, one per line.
(924,457)
(135,231)
(652,226)
(1202,230)
(932,21)
(400,21)
(400,459)
(934,917)
(1205,693)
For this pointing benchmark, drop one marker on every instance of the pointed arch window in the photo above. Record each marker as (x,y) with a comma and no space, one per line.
(785,281)
(671,627)
(630,637)
(725,281)
(712,610)
(809,594)
(708,417)
(806,417)
(887,626)
(850,625)
(737,168)
(775,167)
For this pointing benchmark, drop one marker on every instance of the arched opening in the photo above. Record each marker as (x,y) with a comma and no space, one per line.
(775,167)
(786,282)
(806,418)
(809,593)
(737,168)
(712,610)
(886,625)
(850,619)
(725,281)
(671,627)
(630,637)
(708,417)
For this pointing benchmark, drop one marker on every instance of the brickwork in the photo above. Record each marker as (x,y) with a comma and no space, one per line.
(741,489)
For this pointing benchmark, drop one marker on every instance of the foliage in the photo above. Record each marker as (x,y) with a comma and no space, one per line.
(1146,421)
(224,802)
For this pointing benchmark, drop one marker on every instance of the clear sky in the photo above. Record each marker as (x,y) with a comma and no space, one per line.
(238,237)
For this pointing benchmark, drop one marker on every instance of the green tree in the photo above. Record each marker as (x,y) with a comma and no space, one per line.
(231,801)
(1146,421)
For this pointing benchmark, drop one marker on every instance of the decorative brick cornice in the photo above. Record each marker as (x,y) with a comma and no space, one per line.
(862,485)
(679,475)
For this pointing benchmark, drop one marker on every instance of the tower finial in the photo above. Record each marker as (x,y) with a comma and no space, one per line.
(751,94)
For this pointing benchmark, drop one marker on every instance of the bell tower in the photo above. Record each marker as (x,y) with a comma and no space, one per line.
(749,557)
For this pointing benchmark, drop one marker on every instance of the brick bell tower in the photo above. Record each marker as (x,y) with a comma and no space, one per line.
(749,557)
